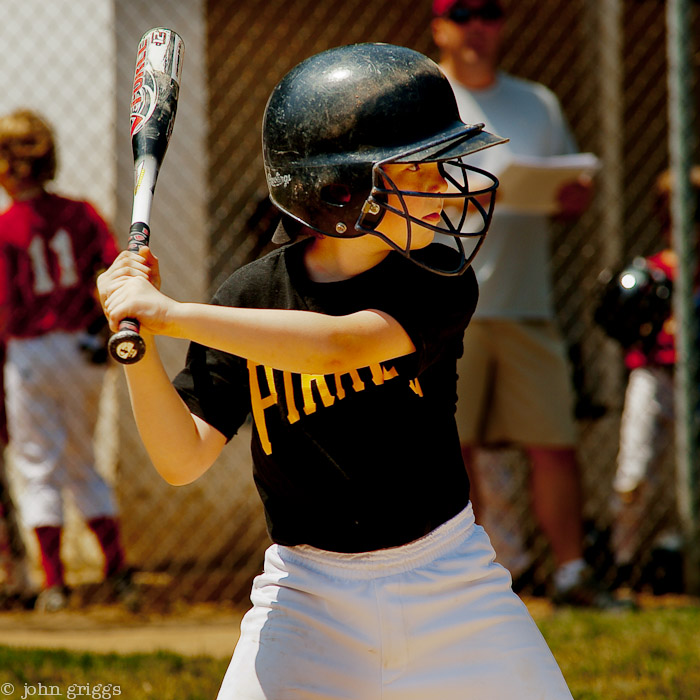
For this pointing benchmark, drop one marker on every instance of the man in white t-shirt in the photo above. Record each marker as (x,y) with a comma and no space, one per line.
(515,370)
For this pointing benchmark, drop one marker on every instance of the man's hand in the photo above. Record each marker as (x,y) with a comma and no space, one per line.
(574,198)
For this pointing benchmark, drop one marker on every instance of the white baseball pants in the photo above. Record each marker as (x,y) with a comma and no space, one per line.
(646,427)
(434,619)
(52,399)
(646,433)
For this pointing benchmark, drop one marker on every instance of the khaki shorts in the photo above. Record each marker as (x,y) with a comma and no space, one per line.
(514,385)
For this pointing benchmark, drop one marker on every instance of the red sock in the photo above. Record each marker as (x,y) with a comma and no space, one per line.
(106,530)
(49,537)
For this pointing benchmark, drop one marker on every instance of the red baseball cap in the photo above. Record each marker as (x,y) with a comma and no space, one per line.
(442,7)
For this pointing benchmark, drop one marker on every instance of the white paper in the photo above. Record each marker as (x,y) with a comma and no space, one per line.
(530,185)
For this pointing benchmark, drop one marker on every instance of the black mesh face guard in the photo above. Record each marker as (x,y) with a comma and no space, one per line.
(466,215)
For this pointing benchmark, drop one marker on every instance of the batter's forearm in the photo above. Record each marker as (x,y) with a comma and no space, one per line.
(293,340)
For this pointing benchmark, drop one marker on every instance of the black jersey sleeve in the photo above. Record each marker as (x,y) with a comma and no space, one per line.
(214,385)
(436,309)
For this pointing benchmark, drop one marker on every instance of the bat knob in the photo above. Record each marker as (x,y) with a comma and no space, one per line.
(127,347)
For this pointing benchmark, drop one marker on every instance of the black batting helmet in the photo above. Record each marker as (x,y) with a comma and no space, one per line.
(635,302)
(338,117)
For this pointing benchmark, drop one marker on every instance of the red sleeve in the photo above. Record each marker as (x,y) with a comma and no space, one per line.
(3,416)
(5,277)
(4,280)
(108,244)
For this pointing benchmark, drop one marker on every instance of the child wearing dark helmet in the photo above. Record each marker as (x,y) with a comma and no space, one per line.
(343,346)
(636,310)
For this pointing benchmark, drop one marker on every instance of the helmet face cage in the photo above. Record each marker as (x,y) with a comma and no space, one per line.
(473,209)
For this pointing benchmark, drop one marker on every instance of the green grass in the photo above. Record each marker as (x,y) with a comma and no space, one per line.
(160,676)
(648,655)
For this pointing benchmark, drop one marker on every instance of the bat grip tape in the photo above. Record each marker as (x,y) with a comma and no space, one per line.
(139,234)
(127,346)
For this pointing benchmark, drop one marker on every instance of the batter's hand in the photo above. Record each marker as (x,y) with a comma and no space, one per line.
(129,288)
(133,264)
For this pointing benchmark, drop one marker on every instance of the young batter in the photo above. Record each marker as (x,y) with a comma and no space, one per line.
(343,346)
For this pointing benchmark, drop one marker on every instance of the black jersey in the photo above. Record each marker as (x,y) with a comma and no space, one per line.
(358,461)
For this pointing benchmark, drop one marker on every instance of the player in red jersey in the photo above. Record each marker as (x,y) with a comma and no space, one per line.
(51,250)
(15,587)
(644,323)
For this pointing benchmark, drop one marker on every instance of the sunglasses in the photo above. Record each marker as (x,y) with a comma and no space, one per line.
(488,13)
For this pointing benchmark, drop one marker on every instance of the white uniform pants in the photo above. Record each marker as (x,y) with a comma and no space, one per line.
(646,429)
(646,432)
(52,399)
(433,620)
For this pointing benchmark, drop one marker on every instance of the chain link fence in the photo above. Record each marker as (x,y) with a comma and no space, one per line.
(605,59)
